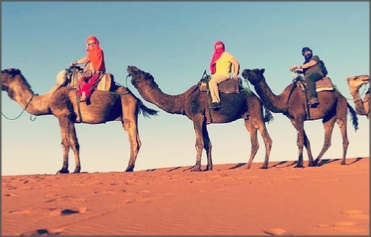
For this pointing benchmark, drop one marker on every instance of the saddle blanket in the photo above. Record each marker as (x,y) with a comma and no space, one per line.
(227,86)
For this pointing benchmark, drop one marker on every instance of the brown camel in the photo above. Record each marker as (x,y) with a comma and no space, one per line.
(193,103)
(354,84)
(292,103)
(61,101)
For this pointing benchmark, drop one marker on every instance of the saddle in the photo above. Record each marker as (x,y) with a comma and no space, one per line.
(227,86)
(105,82)
(324,84)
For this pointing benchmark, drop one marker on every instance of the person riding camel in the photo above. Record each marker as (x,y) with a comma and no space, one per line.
(93,70)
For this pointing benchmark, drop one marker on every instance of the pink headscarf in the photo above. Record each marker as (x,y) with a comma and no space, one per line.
(217,53)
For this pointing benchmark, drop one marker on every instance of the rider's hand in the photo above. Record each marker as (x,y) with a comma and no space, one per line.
(294,67)
(73,63)
(235,77)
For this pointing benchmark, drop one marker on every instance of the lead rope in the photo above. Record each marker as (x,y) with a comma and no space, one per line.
(21,112)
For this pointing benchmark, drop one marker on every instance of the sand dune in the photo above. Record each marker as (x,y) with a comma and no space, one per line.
(230,200)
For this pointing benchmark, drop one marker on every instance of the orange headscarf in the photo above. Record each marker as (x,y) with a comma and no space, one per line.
(217,53)
(96,55)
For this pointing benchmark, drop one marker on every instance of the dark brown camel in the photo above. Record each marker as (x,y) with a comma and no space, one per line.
(193,103)
(354,84)
(61,102)
(292,103)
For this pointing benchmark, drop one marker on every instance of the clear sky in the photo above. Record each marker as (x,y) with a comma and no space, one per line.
(174,42)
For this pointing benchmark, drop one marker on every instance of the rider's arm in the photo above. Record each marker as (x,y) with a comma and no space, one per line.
(83,60)
(236,67)
(309,64)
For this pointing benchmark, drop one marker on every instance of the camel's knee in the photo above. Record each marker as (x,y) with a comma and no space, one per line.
(327,145)
(200,145)
(340,122)
(65,143)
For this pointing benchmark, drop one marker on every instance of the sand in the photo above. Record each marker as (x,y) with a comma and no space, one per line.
(331,199)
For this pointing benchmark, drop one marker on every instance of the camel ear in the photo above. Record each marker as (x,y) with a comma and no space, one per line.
(262,70)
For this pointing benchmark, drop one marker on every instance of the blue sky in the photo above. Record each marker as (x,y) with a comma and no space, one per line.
(174,42)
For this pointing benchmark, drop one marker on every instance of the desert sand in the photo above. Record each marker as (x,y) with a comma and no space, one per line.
(331,199)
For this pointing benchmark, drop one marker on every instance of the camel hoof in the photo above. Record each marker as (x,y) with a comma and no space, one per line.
(76,172)
(264,167)
(299,166)
(130,168)
(63,171)
(343,163)
(312,164)
(208,168)
(196,169)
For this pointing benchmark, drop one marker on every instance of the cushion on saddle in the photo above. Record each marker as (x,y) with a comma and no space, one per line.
(227,86)
(324,84)
(106,82)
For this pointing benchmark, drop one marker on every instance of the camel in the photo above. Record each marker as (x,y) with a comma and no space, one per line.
(292,103)
(61,101)
(354,84)
(193,103)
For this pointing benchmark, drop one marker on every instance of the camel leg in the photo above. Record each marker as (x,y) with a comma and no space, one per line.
(207,146)
(130,126)
(343,129)
(267,141)
(254,141)
(74,144)
(63,125)
(299,125)
(309,150)
(197,125)
(329,126)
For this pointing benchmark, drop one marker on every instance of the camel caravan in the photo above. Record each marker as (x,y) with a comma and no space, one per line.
(113,102)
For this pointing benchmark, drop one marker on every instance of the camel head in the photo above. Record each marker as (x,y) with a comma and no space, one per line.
(254,76)
(355,82)
(9,76)
(138,75)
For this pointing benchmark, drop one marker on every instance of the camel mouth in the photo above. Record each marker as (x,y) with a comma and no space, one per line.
(132,69)
(365,78)
(245,73)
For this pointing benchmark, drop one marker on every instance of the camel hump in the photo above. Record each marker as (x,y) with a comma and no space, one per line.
(227,86)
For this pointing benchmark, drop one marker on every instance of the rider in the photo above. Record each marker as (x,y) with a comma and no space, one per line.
(93,70)
(220,67)
(312,73)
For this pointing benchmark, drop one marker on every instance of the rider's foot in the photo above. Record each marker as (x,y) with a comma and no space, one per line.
(215,105)
(313,101)
(83,97)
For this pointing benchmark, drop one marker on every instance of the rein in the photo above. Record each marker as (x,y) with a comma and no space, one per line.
(21,112)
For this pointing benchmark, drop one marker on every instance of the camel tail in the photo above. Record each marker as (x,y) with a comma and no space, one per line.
(145,110)
(268,117)
(354,116)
